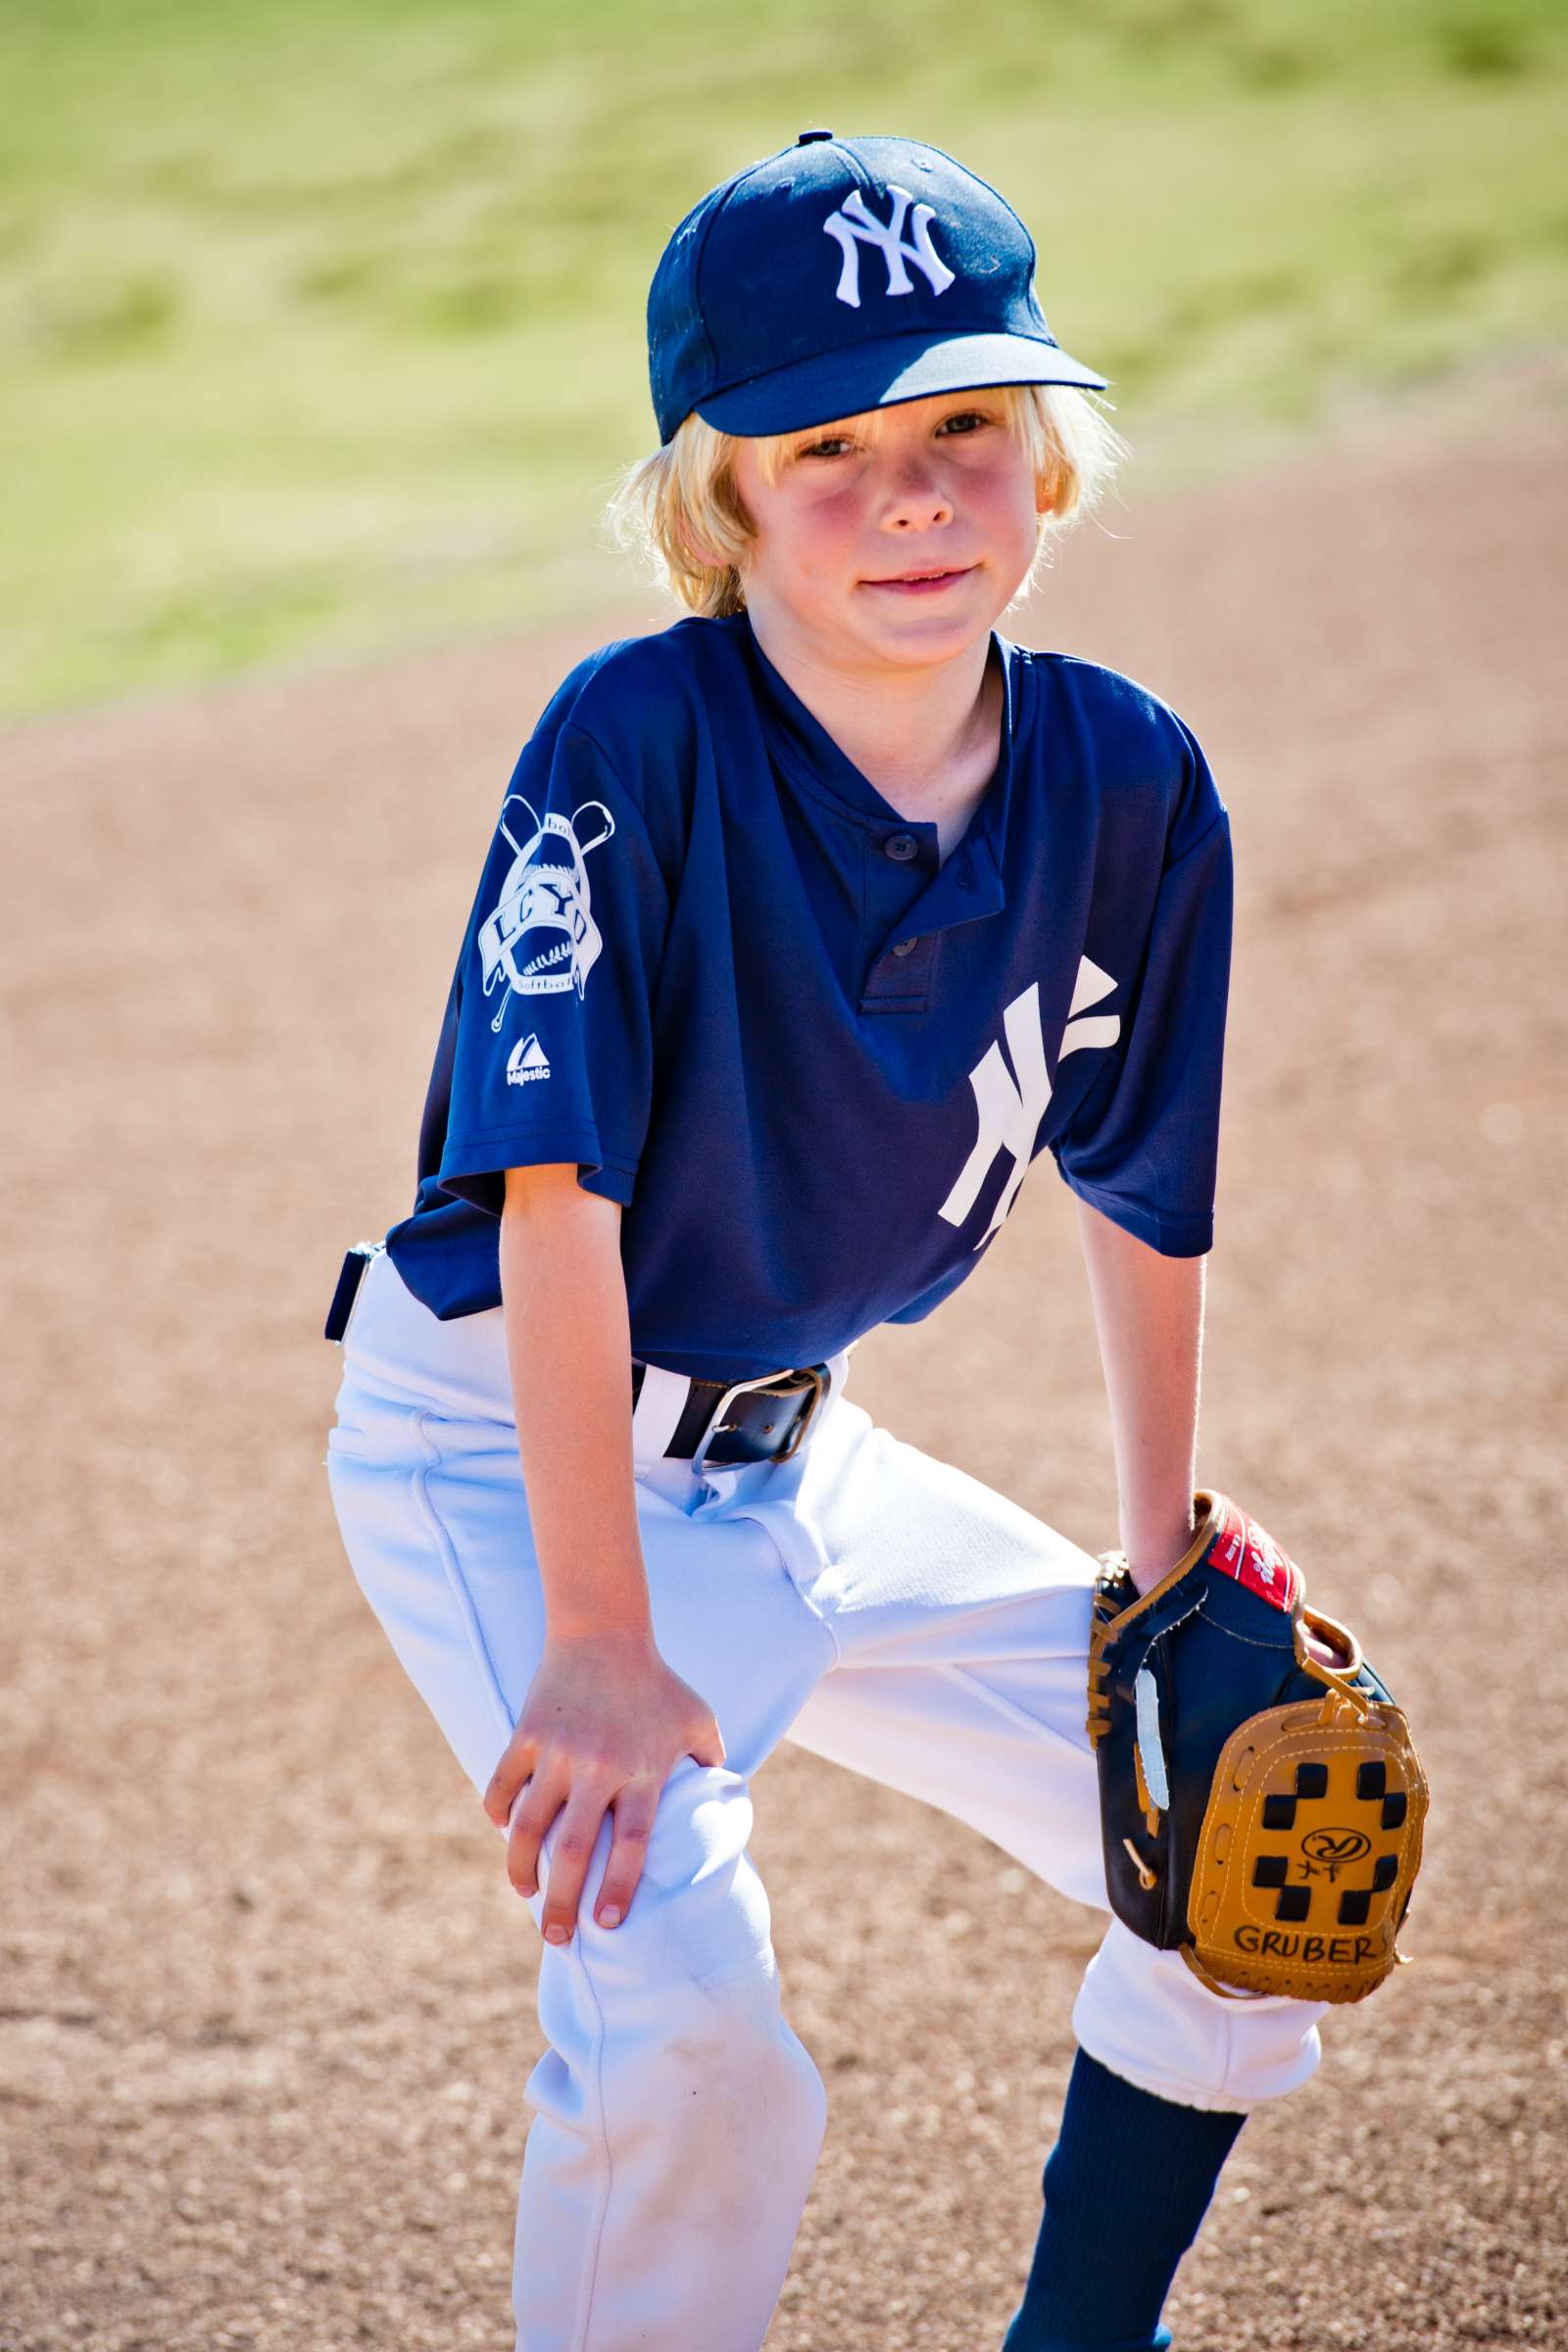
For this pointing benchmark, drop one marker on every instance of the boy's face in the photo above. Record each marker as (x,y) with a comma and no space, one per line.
(891,540)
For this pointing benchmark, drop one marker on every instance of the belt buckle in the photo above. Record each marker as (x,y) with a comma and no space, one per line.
(765,1381)
(798,1434)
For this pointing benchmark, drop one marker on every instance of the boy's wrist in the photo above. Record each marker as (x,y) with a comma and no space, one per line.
(623,1625)
(1152,1549)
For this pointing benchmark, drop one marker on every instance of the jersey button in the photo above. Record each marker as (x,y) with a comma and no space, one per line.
(904,947)
(902,846)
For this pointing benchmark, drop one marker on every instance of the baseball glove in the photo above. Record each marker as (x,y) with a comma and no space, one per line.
(1261,1810)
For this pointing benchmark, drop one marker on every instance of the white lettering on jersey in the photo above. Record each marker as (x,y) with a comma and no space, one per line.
(853,225)
(1011,1104)
(542,938)
(527,1060)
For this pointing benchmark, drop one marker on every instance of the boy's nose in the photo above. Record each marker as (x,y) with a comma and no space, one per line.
(916,500)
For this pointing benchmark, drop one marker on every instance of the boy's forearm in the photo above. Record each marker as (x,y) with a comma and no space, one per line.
(1149,1315)
(568,1343)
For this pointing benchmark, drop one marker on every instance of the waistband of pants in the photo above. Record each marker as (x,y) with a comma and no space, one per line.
(461,1366)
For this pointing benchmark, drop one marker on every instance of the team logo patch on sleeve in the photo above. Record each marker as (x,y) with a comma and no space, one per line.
(1243,1550)
(542,938)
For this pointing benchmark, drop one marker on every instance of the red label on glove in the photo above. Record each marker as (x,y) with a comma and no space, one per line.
(1241,1549)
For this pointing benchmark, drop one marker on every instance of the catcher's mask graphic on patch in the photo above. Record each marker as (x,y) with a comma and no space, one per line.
(542,939)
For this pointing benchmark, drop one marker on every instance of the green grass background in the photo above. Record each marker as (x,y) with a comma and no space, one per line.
(321,321)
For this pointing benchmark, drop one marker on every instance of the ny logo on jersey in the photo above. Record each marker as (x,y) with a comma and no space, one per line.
(855,225)
(542,938)
(1011,1104)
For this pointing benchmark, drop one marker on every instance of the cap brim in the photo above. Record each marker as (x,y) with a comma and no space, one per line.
(878,375)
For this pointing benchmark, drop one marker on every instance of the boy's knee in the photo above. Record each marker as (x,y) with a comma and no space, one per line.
(1144,2014)
(686,1989)
(699,1906)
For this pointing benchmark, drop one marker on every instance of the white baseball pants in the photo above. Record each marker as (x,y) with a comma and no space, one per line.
(863,1600)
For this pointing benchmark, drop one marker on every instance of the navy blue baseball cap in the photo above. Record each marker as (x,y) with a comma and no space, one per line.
(840,275)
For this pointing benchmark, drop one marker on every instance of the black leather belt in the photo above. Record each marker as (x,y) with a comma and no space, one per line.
(759,1420)
(722,1422)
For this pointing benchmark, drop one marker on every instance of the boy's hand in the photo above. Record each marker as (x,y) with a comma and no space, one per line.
(603,1726)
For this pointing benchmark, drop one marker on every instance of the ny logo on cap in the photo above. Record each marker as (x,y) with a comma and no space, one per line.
(854,227)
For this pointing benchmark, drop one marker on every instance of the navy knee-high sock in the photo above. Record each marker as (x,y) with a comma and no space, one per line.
(1127,2184)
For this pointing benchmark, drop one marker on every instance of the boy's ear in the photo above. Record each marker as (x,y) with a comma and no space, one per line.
(698,551)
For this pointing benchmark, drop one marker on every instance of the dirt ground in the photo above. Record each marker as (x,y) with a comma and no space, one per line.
(266,2002)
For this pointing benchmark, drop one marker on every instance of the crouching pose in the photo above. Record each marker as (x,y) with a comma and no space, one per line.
(807,925)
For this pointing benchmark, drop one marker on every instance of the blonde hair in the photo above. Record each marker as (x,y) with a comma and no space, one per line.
(683,499)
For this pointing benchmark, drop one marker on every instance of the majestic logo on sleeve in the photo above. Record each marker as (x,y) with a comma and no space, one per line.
(526,1061)
(1012,1104)
(855,224)
(542,938)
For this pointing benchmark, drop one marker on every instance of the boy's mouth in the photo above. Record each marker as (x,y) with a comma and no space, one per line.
(922,582)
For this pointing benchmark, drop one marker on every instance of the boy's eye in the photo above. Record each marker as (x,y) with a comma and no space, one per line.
(961,422)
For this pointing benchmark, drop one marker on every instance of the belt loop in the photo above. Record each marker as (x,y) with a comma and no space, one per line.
(357,1264)
(661,1402)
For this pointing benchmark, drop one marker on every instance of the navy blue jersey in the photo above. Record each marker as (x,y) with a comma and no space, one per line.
(708,963)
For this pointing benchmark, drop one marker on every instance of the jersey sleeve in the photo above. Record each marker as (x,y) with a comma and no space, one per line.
(1143,1145)
(552,1040)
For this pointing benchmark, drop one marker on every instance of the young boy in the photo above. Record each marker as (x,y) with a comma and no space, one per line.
(807,923)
